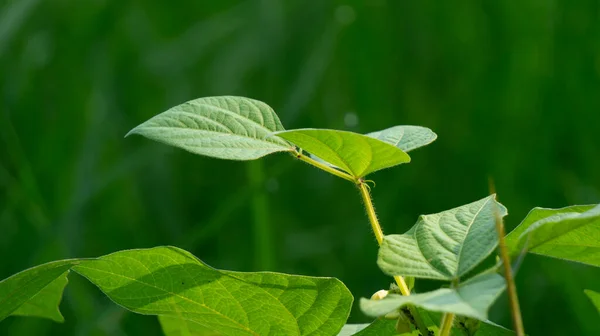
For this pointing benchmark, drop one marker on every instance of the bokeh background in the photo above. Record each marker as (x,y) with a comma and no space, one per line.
(511,88)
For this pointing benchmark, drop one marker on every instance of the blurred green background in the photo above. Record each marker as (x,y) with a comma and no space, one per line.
(511,88)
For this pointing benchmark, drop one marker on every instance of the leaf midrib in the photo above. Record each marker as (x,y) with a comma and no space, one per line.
(581,216)
(467,234)
(223,133)
(414,236)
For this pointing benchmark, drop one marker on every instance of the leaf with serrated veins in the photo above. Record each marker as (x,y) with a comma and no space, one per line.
(472,298)
(406,137)
(20,293)
(446,245)
(571,233)
(357,154)
(227,127)
(172,282)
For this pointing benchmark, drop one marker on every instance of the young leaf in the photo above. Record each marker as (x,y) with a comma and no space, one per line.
(227,127)
(23,287)
(471,298)
(594,297)
(45,303)
(406,137)
(446,245)
(172,282)
(571,233)
(357,154)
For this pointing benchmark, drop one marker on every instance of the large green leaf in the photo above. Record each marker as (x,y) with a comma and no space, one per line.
(571,233)
(406,137)
(471,298)
(235,128)
(594,297)
(357,154)
(41,286)
(173,326)
(446,245)
(171,282)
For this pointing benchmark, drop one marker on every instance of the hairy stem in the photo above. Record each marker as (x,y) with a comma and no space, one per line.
(366,195)
(324,167)
(446,325)
(511,289)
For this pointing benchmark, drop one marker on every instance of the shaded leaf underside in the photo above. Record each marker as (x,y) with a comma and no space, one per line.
(405,137)
(472,298)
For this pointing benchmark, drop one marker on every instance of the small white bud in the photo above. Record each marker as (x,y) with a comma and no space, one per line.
(379,295)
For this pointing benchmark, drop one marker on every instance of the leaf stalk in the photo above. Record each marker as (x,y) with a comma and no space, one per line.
(376,227)
(446,325)
(300,156)
(370,209)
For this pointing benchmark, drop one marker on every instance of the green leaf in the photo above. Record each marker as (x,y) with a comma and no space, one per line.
(471,298)
(357,154)
(406,137)
(227,127)
(172,282)
(594,297)
(23,287)
(571,233)
(381,326)
(173,326)
(446,245)
(45,303)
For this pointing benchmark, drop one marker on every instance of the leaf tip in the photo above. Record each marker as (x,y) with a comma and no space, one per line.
(135,130)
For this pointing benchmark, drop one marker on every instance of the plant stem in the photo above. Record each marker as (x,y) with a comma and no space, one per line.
(446,325)
(511,289)
(324,167)
(364,191)
(366,195)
